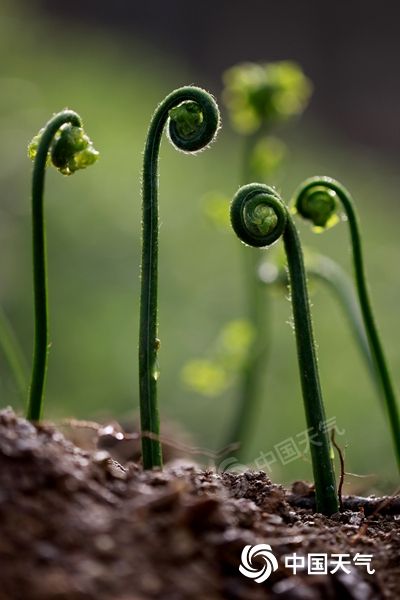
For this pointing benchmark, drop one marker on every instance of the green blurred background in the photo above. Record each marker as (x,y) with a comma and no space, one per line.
(93,224)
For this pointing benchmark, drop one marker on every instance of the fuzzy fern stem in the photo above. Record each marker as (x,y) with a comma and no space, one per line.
(259,218)
(338,281)
(193,120)
(334,277)
(62,143)
(317,200)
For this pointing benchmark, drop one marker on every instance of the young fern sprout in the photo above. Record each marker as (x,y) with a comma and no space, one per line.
(62,143)
(259,218)
(324,269)
(193,121)
(318,200)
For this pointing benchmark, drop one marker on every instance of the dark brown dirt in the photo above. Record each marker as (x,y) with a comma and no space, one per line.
(76,525)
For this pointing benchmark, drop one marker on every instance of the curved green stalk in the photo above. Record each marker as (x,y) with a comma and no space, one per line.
(332,275)
(13,353)
(193,122)
(317,200)
(62,141)
(259,218)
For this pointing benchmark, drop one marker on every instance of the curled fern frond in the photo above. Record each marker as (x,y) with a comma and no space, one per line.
(63,143)
(70,150)
(260,218)
(318,204)
(331,195)
(258,215)
(192,117)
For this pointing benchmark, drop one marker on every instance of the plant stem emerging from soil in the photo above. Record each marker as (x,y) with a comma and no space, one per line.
(63,143)
(259,218)
(193,121)
(317,199)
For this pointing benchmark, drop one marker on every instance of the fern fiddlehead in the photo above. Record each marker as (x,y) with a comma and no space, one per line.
(318,200)
(63,143)
(193,121)
(259,218)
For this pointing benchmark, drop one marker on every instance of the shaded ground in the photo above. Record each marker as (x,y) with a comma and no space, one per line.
(77,525)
